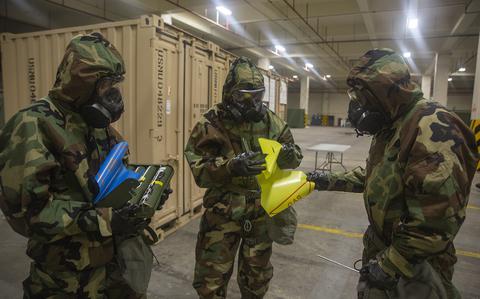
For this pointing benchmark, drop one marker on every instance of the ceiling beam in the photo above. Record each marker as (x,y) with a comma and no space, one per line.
(462,25)
(368,20)
(301,43)
(330,47)
(353,13)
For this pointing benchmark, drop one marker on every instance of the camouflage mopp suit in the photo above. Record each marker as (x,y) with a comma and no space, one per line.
(416,183)
(47,155)
(233,219)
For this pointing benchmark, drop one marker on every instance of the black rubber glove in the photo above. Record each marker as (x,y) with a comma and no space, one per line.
(320,179)
(123,223)
(375,277)
(287,152)
(247,164)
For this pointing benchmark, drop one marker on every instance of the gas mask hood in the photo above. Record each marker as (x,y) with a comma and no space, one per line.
(243,92)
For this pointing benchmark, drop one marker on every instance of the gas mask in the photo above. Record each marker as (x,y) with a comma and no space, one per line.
(365,121)
(246,105)
(106,106)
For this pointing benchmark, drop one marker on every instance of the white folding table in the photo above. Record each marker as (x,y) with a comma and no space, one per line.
(331,150)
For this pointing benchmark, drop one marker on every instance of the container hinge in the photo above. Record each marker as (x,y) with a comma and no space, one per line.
(156,134)
(214,48)
(152,21)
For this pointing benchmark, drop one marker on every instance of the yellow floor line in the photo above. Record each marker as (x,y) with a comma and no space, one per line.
(473,207)
(341,232)
(468,253)
(331,231)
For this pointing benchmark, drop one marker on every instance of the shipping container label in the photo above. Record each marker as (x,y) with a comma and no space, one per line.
(216,97)
(266,95)
(168,108)
(32,86)
(160,64)
(283,92)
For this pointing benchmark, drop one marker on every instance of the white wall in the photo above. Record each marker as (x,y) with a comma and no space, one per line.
(322,103)
(337,103)
(460,102)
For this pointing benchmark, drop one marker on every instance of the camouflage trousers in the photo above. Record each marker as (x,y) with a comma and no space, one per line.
(432,278)
(225,228)
(102,282)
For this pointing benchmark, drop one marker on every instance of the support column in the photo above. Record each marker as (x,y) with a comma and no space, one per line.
(440,84)
(476,88)
(263,63)
(426,86)
(304,93)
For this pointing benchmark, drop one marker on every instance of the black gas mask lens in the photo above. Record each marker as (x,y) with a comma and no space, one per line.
(247,104)
(365,121)
(107,104)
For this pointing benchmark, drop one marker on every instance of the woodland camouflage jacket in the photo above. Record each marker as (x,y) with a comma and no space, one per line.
(419,170)
(217,138)
(48,155)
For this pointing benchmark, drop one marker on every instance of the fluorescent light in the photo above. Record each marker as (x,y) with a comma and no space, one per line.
(328,76)
(324,78)
(280,48)
(450,79)
(295,77)
(407,54)
(308,65)
(224,10)
(412,23)
(270,67)
(462,69)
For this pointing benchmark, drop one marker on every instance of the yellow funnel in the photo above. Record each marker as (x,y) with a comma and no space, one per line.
(280,188)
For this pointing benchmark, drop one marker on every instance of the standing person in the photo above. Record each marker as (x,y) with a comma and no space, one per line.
(49,155)
(223,154)
(419,171)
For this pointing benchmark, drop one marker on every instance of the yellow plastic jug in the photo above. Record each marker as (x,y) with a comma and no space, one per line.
(280,188)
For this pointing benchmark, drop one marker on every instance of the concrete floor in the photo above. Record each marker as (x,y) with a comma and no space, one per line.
(335,221)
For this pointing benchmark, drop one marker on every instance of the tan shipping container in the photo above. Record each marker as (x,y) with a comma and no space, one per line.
(206,68)
(171,79)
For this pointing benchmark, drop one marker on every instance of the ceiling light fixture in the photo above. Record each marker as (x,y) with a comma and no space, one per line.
(295,77)
(462,69)
(270,67)
(328,76)
(412,23)
(450,79)
(407,54)
(224,10)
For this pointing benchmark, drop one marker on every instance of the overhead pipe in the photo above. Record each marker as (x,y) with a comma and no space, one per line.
(323,39)
(254,45)
(299,27)
(357,13)
(104,17)
(364,40)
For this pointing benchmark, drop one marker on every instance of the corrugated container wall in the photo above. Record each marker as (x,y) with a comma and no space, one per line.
(172,79)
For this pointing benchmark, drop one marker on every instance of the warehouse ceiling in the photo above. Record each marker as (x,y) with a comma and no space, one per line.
(328,34)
